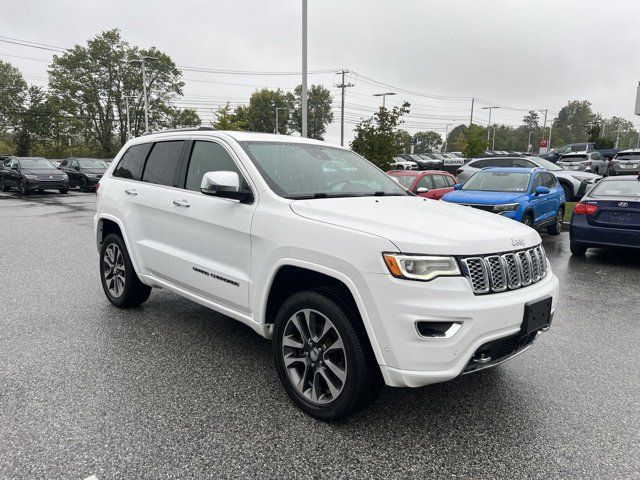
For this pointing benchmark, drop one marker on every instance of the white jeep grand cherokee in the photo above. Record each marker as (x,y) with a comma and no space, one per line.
(357,281)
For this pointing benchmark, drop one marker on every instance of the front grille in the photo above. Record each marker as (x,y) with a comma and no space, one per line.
(486,208)
(53,178)
(500,350)
(508,271)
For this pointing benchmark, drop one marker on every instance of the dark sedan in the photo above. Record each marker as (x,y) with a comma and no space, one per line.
(609,215)
(84,172)
(32,173)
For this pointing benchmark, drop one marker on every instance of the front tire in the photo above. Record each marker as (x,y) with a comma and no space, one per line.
(577,249)
(527,219)
(84,187)
(322,355)
(556,228)
(64,190)
(120,282)
(23,187)
(3,186)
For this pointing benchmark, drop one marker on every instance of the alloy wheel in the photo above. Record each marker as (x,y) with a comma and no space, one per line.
(314,356)
(560,219)
(114,270)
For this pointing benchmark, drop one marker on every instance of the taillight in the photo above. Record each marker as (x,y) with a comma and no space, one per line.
(97,186)
(585,209)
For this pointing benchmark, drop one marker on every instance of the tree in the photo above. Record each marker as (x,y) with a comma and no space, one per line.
(456,139)
(35,121)
(226,119)
(319,113)
(619,130)
(475,141)
(12,92)
(377,138)
(92,81)
(427,141)
(531,120)
(404,139)
(573,122)
(260,115)
(187,117)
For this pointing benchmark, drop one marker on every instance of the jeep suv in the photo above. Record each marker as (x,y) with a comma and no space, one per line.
(358,282)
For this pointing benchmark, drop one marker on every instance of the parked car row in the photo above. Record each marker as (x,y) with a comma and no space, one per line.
(28,174)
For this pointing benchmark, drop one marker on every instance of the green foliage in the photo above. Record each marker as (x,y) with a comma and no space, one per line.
(226,119)
(260,116)
(319,113)
(377,138)
(531,120)
(573,122)
(427,142)
(12,92)
(184,118)
(404,139)
(475,141)
(91,82)
(456,139)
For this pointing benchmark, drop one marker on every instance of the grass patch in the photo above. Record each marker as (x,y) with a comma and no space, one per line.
(567,211)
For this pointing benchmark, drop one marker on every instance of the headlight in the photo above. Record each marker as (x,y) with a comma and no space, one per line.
(65,176)
(507,207)
(582,179)
(31,177)
(420,267)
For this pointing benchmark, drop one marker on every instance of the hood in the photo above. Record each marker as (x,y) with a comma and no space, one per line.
(42,171)
(96,171)
(420,225)
(484,198)
(576,173)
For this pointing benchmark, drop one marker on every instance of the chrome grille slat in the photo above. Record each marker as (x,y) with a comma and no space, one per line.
(508,271)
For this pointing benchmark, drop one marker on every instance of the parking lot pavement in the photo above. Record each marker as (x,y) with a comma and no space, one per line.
(172,390)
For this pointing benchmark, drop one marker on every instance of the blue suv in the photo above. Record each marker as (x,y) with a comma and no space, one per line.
(532,196)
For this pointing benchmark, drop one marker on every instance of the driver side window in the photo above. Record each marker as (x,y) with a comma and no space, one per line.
(210,157)
(538,182)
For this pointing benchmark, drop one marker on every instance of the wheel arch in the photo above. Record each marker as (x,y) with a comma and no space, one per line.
(107,224)
(567,183)
(291,276)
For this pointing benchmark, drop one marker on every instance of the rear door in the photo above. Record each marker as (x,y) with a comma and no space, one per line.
(440,186)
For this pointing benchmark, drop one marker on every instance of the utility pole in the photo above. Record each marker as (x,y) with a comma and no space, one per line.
(544,125)
(489,124)
(550,129)
(142,61)
(493,147)
(446,137)
(303,95)
(473,100)
(126,102)
(342,86)
(277,130)
(618,138)
(529,146)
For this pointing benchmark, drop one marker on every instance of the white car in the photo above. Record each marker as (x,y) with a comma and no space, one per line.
(358,282)
(399,163)
(574,183)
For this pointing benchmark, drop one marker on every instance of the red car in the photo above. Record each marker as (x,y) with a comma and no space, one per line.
(427,183)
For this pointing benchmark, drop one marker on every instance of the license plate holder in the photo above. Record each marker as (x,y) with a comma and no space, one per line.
(537,315)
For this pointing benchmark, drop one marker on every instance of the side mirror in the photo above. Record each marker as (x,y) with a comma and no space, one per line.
(224,184)
(540,190)
(457,186)
(422,190)
(14,167)
(76,167)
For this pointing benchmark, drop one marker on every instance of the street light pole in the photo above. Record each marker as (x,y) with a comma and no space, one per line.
(384,96)
(141,61)
(446,137)
(277,130)
(489,125)
(303,95)
(529,146)
(126,102)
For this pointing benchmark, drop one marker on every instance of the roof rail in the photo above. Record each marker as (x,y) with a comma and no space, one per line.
(188,129)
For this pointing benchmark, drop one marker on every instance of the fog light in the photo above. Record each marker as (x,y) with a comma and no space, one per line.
(437,329)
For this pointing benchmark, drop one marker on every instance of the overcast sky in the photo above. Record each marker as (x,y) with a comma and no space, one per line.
(519,54)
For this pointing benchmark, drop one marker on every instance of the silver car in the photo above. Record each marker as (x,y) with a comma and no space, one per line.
(584,162)
(574,183)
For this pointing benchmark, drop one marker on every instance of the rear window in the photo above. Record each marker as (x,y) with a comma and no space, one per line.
(617,188)
(162,163)
(573,158)
(628,156)
(132,162)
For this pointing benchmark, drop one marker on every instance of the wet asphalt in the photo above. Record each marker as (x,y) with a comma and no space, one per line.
(173,390)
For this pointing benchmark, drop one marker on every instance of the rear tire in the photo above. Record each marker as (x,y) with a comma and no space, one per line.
(64,190)
(3,186)
(577,249)
(568,195)
(556,228)
(23,187)
(319,339)
(120,282)
(83,185)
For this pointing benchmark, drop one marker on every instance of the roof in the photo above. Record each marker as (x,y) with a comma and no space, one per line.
(238,136)
(512,169)
(621,177)
(630,150)
(417,173)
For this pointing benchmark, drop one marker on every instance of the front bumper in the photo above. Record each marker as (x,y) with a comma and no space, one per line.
(46,185)
(412,360)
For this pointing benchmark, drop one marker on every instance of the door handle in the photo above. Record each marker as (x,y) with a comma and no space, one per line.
(181,203)
(131,191)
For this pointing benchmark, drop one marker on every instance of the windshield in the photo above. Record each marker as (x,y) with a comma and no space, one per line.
(574,158)
(91,163)
(35,162)
(488,181)
(300,170)
(541,162)
(616,188)
(404,180)
(628,156)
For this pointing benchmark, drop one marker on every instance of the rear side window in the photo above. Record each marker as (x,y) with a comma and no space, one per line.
(439,181)
(521,162)
(549,180)
(480,164)
(448,180)
(162,163)
(132,162)
(209,157)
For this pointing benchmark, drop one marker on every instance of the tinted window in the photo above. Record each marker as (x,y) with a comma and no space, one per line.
(439,181)
(549,180)
(480,164)
(425,182)
(132,162)
(521,162)
(501,162)
(209,157)
(162,162)
(538,182)
(492,181)
(404,180)
(617,188)
(448,180)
